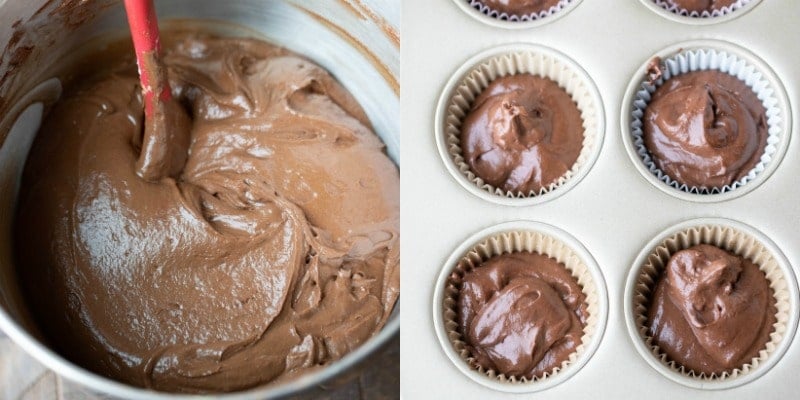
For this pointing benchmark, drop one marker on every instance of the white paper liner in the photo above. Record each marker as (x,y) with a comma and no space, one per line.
(511,242)
(729,63)
(736,242)
(701,14)
(533,62)
(486,10)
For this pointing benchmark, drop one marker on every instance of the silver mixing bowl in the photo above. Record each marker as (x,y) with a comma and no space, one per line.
(356,40)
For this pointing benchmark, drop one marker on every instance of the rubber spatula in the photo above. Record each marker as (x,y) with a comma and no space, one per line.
(167,126)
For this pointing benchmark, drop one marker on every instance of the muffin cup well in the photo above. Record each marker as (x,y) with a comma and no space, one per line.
(738,239)
(702,56)
(476,74)
(509,238)
(678,14)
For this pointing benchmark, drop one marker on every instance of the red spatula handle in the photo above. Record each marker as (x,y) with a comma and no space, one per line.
(144,30)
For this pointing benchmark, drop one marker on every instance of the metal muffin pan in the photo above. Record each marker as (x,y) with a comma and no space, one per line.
(613,212)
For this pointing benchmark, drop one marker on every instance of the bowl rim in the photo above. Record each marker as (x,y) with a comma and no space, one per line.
(94,381)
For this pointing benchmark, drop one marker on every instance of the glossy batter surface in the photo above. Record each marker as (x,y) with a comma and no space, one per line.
(711,311)
(705,129)
(274,251)
(522,133)
(521,314)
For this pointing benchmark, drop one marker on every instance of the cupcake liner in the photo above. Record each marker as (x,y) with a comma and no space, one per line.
(511,238)
(495,18)
(727,61)
(477,74)
(737,239)
(486,10)
(680,15)
(704,14)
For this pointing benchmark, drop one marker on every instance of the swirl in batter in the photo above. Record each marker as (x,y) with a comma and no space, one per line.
(523,133)
(521,314)
(711,311)
(705,129)
(275,250)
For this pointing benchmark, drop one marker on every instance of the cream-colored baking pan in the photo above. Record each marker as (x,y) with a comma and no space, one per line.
(614,214)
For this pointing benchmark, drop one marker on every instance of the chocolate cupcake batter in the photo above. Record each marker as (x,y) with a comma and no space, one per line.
(522,134)
(705,129)
(520,7)
(275,249)
(711,311)
(700,5)
(521,314)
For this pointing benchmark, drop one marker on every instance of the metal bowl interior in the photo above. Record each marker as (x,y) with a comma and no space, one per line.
(357,41)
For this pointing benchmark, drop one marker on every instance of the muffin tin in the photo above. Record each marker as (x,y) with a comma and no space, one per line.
(614,212)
